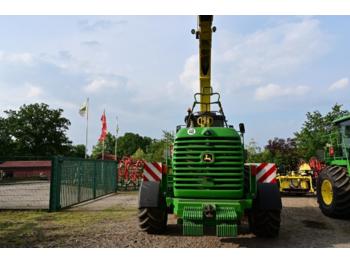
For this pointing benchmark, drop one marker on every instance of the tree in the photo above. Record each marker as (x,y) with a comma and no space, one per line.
(139,147)
(127,144)
(77,151)
(168,136)
(283,152)
(6,142)
(313,134)
(156,150)
(253,151)
(257,155)
(130,142)
(139,154)
(36,129)
(109,146)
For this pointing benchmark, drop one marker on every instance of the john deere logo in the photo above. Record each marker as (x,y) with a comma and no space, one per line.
(208,158)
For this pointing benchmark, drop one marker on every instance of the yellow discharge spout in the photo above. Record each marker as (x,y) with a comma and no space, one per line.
(204,34)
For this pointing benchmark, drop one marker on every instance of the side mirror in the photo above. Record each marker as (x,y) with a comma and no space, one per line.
(241,128)
(178,128)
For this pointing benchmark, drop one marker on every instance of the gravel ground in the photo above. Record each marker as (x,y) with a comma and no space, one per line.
(126,200)
(25,195)
(303,225)
(112,222)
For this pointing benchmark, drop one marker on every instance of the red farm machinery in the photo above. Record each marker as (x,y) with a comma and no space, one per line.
(129,173)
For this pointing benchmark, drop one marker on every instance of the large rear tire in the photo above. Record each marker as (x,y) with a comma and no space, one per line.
(265,215)
(265,223)
(153,220)
(333,192)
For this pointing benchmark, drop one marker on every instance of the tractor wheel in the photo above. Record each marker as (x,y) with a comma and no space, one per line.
(265,223)
(265,215)
(153,220)
(333,192)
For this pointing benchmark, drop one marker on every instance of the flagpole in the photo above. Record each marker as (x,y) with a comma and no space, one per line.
(103,141)
(103,149)
(87,127)
(116,138)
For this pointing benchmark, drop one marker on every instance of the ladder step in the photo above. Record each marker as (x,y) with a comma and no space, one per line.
(192,229)
(226,230)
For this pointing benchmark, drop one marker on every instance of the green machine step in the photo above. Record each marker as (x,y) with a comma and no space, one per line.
(224,219)
(226,222)
(193,221)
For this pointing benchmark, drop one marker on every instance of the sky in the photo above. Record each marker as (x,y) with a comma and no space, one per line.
(270,70)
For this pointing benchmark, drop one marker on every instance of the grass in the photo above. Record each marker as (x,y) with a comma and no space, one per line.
(40,228)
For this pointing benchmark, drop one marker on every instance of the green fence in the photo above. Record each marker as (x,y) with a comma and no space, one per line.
(77,180)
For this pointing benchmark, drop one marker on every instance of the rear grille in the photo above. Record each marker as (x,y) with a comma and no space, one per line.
(195,178)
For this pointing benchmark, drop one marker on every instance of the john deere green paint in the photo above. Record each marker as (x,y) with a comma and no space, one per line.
(333,183)
(207,185)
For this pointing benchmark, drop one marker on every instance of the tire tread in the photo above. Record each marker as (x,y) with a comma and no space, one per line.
(152,220)
(339,177)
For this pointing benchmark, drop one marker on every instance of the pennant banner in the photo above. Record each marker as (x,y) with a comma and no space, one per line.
(104,127)
(83,109)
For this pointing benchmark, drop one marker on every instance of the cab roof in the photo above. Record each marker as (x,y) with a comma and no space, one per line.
(341,119)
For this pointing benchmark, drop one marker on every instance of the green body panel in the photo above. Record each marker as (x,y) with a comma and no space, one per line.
(339,143)
(193,177)
(192,184)
(338,162)
(342,119)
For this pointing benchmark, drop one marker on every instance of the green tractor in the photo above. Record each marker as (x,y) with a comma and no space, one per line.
(333,183)
(207,185)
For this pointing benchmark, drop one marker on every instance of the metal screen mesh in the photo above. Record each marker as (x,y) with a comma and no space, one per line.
(25,195)
(78,180)
(25,182)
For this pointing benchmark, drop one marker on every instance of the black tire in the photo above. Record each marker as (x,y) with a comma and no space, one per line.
(265,223)
(153,220)
(340,181)
(265,215)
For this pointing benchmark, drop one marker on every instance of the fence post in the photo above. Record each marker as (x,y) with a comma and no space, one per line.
(55,185)
(79,180)
(115,179)
(94,178)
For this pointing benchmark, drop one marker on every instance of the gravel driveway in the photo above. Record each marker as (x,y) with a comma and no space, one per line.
(111,221)
(303,225)
(25,195)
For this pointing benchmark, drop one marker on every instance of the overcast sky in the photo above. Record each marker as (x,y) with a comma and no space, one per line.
(270,70)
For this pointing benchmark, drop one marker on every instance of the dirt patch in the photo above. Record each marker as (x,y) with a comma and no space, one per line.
(112,201)
(314,224)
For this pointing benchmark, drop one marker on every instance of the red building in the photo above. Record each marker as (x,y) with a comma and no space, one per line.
(106,156)
(26,169)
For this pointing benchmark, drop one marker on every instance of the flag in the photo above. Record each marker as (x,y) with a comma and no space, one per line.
(104,127)
(83,109)
(117,126)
